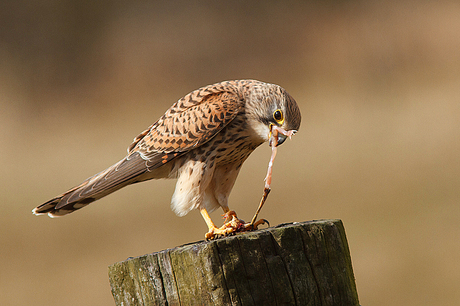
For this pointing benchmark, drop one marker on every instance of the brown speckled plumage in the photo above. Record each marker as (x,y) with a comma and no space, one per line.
(202,140)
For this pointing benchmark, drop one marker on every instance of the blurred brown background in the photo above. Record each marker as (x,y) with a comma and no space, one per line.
(379,89)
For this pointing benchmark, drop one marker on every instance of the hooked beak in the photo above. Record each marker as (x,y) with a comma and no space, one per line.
(281,138)
(281,135)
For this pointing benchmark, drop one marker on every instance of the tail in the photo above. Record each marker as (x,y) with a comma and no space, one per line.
(123,173)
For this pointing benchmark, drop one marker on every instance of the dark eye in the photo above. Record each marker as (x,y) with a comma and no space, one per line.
(278,116)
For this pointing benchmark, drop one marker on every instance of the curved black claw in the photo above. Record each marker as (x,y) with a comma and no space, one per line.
(255,225)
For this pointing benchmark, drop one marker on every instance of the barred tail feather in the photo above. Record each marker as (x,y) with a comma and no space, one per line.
(125,172)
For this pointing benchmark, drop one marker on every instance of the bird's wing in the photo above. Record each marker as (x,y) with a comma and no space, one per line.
(189,123)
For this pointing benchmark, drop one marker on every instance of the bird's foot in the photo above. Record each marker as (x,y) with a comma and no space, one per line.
(233,225)
(239,225)
(215,232)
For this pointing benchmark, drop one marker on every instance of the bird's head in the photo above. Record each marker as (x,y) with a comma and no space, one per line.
(271,111)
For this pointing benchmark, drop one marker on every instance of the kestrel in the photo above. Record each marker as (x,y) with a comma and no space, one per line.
(202,140)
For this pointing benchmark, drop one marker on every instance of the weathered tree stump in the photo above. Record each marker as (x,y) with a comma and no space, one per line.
(304,263)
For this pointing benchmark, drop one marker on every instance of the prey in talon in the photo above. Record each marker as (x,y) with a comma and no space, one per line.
(202,141)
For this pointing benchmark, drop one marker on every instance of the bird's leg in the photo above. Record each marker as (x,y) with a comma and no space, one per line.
(213,230)
(232,223)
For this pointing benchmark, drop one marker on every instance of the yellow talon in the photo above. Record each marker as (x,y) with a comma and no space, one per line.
(231,225)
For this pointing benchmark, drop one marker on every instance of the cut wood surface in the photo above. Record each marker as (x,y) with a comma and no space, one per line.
(305,263)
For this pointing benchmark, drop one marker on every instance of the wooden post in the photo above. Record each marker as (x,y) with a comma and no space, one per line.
(304,263)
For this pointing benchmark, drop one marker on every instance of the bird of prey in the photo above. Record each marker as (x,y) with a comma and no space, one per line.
(202,140)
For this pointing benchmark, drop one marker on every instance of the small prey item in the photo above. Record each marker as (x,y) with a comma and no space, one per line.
(278,135)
